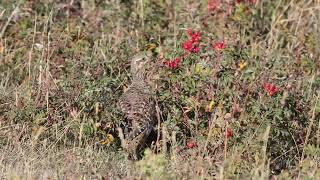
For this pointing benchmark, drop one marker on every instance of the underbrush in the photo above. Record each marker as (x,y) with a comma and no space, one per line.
(236,86)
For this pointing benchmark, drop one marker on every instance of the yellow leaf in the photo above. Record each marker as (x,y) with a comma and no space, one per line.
(198,68)
(242,65)
(215,131)
(150,47)
(210,106)
(107,140)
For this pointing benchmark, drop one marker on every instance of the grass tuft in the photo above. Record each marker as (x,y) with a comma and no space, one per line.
(236,85)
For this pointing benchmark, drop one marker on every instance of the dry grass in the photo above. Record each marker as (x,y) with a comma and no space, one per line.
(63,64)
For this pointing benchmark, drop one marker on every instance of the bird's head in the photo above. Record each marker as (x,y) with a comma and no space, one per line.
(138,64)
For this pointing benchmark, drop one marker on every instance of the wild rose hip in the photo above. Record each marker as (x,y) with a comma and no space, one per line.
(191,144)
(270,88)
(192,44)
(196,37)
(173,64)
(213,5)
(187,45)
(219,45)
(229,132)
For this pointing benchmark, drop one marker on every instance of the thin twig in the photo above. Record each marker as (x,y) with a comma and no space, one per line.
(159,123)
(4,28)
(225,142)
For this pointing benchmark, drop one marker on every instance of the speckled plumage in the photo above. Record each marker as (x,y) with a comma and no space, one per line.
(138,109)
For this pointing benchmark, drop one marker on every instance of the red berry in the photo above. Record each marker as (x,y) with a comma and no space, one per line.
(191,144)
(219,45)
(188,46)
(229,132)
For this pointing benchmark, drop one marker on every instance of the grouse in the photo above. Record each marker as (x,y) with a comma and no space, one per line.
(138,108)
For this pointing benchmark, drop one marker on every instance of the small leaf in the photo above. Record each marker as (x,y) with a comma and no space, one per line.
(210,106)
(107,140)
(242,65)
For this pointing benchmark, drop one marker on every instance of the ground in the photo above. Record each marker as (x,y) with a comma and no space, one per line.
(236,84)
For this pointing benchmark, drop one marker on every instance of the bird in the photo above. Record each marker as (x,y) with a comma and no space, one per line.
(138,108)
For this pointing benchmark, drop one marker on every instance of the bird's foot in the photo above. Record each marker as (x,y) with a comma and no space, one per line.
(121,136)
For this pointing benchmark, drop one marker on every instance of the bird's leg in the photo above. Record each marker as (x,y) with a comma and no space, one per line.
(133,155)
(129,146)
(126,131)
(121,136)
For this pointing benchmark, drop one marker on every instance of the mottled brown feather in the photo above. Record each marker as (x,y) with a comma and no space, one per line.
(138,108)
